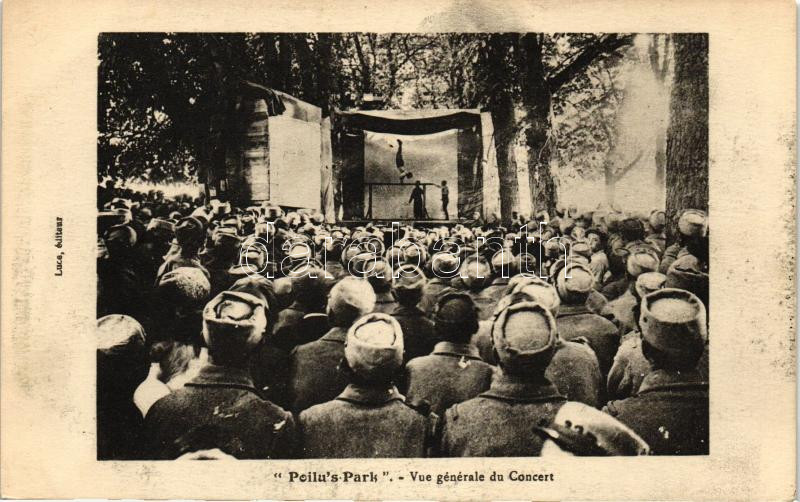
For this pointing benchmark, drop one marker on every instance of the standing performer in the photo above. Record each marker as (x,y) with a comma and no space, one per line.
(445,199)
(418,198)
(398,159)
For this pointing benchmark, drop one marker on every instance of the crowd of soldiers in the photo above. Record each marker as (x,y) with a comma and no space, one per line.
(252,332)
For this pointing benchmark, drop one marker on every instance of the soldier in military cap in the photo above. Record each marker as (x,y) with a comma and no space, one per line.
(443,266)
(454,372)
(417,328)
(499,421)
(670,411)
(574,284)
(579,430)
(642,258)
(220,407)
(189,237)
(692,239)
(379,274)
(475,274)
(369,418)
(314,375)
(630,366)
(504,266)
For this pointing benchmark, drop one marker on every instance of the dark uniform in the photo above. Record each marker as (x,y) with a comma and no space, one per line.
(364,422)
(494,291)
(370,418)
(576,321)
(418,335)
(220,408)
(314,376)
(452,374)
(670,412)
(430,294)
(500,421)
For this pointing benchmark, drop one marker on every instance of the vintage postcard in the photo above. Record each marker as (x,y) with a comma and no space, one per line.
(417,250)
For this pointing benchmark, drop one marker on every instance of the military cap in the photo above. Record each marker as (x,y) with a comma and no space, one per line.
(640,260)
(161,226)
(234,320)
(657,220)
(502,260)
(542,291)
(524,263)
(107,219)
(251,262)
(299,251)
(258,286)
(117,330)
(574,282)
(351,297)
(581,248)
(524,337)
(648,282)
(578,233)
(410,278)
(184,285)
(374,346)
(686,273)
(581,430)
(454,308)
(475,273)
(693,223)
(444,265)
(378,273)
(189,230)
(673,321)
(283,291)
(121,236)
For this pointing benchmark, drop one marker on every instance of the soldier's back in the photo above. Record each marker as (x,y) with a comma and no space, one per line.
(346,429)
(235,420)
(670,414)
(489,427)
(603,336)
(447,377)
(314,376)
(575,371)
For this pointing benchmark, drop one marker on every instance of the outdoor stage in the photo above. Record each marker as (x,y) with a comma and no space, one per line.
(439,147)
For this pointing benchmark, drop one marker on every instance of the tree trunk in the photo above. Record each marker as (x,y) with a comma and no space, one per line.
(611,183)
(504,132)
(687,134)
(659,63)
(536,101)
(499,76)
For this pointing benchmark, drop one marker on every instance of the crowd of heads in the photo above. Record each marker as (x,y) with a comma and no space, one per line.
(185,283)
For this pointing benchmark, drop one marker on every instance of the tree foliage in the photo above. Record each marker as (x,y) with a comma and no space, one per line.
(160,94)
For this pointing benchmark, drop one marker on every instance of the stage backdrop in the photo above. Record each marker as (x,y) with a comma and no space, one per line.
(452,145)
(430,158)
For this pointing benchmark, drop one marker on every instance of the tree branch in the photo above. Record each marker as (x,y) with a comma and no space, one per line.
(594,51)
(622,172)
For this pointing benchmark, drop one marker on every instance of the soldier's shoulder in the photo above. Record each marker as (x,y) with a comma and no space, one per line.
(420,363)
(318,411)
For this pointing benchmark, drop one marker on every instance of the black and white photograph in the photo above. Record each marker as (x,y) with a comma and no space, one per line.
(378,245)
